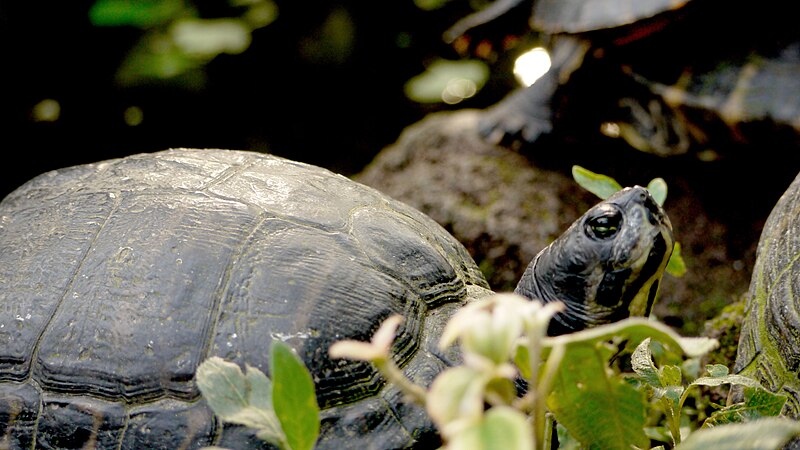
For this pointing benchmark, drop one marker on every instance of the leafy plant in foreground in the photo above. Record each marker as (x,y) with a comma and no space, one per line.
(571,378)
(283,410)
(665,386)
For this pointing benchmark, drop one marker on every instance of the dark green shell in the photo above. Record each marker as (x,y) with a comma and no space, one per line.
(117,279)
(769,346)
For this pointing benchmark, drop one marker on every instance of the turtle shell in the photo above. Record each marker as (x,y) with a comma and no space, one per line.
(769,345)
(580,16)
(117,279)
(736,101)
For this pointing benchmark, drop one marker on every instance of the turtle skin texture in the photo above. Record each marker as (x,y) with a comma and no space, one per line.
(769,345)
(117,279)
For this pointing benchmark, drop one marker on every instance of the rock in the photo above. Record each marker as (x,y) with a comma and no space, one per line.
(493,200)
(505,209)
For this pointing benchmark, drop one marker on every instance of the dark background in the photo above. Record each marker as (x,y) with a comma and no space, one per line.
(335,112)
(289,95)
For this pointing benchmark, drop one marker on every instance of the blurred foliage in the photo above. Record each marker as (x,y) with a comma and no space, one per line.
(141,14)
(448,81)
(177,43)
(430,5)
(333,41)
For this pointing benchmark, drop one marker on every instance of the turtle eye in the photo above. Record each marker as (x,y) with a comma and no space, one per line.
(604,225)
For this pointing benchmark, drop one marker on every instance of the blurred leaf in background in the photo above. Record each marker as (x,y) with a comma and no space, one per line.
(333,41)
(430,5)
(177,43)
(140,14)
(448,81)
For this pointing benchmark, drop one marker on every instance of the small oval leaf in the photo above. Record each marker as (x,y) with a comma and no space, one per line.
(658,189)
(223,385)
(676,266)
(501,428)
(240,398)
(456,395)
(602,186)
(293,398)
(642,364)
(763,434)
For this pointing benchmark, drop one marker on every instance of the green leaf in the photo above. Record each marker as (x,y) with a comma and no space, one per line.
(239,398)
(670,375)
(634,330)
(430,5)
(602,186)
(758,403)
(207,38)
(642,364)
(141,13)
(658,189)
(676,266)
(293,397)
(260,388)
(764,434)
(501,427)
(522,359)
(224,386)
(599,410)
(727,379)
(717,370)
(456,394)
(156,57)
(448,81)
(765,402)
(565,440)
(719,375)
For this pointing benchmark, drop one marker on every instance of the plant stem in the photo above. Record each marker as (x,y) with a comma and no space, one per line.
(542,389)
(549,429)
(394,375)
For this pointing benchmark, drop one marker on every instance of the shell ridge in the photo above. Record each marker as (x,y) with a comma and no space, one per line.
(230,172)
(225,285)
(60,304)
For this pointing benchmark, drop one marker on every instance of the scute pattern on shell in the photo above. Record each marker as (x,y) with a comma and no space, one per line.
(118,278)
(769,346)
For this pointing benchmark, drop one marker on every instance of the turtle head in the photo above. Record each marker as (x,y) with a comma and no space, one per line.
(606,266)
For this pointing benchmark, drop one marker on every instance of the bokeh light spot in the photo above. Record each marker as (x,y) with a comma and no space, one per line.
(531,65)
(458,89)
(47,110)
(133,116)
(448,81)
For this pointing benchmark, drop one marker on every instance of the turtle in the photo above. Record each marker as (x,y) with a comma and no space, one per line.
(769,341)
(670,77)
(118,278)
